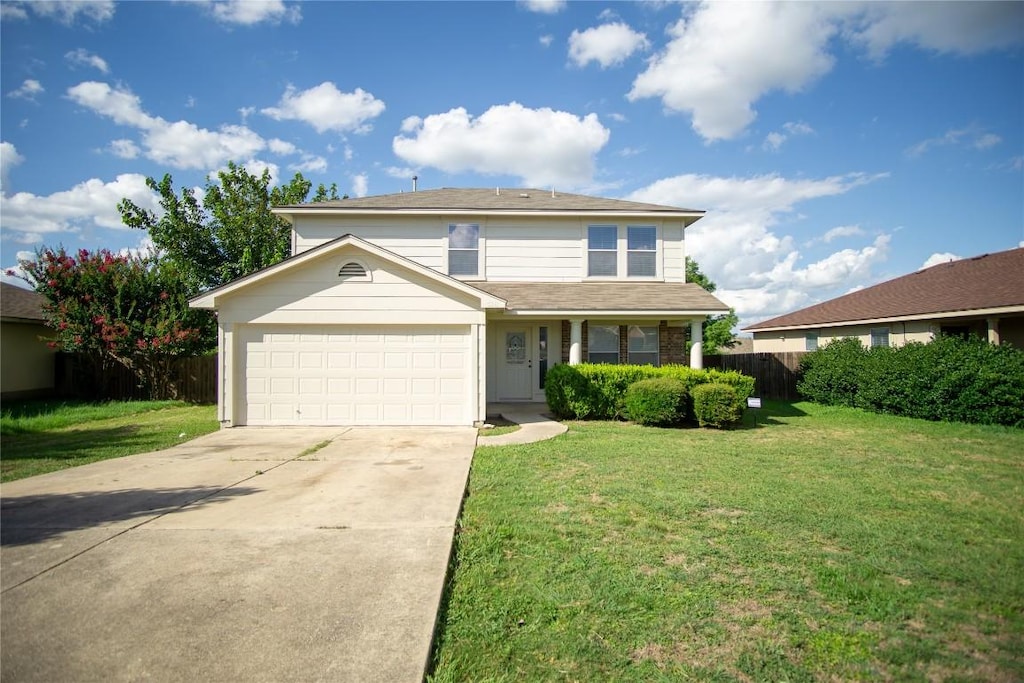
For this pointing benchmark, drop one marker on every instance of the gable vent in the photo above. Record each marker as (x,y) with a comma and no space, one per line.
(352,269)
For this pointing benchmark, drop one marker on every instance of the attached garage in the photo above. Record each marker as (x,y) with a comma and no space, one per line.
(349,333)
(337,375)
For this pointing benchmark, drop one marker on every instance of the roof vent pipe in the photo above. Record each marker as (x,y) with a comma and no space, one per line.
(414,179)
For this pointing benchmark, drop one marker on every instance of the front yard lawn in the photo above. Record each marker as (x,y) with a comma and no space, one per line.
(43,436)
(826,544)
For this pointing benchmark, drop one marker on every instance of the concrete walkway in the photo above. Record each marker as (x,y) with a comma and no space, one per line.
(532,419)
(234,558)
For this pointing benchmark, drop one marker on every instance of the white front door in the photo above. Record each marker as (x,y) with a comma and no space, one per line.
(516,367)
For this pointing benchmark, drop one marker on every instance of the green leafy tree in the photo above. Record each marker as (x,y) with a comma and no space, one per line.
(231,233)
(116,308)
(717,329)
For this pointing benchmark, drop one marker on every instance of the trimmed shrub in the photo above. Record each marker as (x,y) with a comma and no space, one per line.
(716,405)
(950,379)
(656,401)
(598,392)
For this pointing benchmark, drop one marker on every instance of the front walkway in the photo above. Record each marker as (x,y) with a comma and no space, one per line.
(532,418)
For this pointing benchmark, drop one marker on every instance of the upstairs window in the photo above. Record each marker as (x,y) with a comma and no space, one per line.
(602,250)
(603,343)
(811,341)
(641,250)
(464,249)
(879,336)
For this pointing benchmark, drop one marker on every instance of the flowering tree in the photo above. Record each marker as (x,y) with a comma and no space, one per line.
(123,309)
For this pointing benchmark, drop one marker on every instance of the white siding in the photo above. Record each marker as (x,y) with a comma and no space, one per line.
(421,240)
(673,251)
(900,333)
(530,249)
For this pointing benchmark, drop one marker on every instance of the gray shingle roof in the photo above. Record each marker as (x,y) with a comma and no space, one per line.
(604,296)
(21,304)
(491,200)
(983,282)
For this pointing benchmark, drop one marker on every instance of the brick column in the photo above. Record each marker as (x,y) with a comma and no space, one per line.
(623,344)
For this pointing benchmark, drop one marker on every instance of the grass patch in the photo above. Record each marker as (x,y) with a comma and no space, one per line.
(43,436)
(824,544)
(501,426)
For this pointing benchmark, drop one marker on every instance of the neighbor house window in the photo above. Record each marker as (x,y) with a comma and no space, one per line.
(463,249)
(602,250)
(603,343)
(811,341)
(879,336)
(641,249)
(643,345)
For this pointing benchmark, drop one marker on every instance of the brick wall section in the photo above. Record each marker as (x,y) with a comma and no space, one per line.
(566,342)
(623,344)
(671,344)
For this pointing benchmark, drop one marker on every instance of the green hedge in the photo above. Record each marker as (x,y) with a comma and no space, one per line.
(950,379)
(716,405)
(656,401)
(598,392)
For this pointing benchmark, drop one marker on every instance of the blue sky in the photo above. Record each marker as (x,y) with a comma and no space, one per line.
(833,145)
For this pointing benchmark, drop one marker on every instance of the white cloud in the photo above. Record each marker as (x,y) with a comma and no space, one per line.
(608,45)
(246,112)
(281,146)
(842,231)
(91,203)
(252,12)
(180,144)
(725,56)
(400,172)
(761,273)
(970,136)
(360,185)
(722,57)
(310,163)
(9,158)
(28,90)
(64,11)
(774,140)
(126,149)
(546,40)
(959,27)
(82,57)
(542,146)
(937,258)
(544,6)
(13,274)
(326,108)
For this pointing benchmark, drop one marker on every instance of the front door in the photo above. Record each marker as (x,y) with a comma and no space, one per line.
(516,383)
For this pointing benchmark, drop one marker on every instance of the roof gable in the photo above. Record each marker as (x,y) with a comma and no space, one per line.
(210,298)
(990,281)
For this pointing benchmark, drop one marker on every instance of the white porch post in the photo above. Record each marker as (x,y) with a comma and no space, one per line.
(575,341)
(993,330)
(696,344)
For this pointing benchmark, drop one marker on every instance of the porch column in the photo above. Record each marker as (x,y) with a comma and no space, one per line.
(993,331)
(575,341)
(696,344)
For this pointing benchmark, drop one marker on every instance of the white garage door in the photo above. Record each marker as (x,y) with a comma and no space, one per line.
(356,376)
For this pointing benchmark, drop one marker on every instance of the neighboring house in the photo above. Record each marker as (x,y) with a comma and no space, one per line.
(26,362)
(981,296)
(420,307)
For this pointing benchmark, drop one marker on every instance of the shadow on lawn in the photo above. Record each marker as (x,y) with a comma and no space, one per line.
(76,443)
(769,414)
(34,518)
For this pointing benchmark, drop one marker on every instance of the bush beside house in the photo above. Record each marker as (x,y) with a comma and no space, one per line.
(950,379)
(599,392)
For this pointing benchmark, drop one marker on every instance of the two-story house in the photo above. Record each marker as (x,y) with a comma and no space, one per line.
(418,308)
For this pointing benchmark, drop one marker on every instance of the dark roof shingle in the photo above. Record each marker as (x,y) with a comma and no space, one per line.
(982,282)
(21,304)
(604,296)
(503,199)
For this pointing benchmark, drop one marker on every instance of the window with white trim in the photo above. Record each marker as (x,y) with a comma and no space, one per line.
(643,345)
(464,249)
(879,336)
(810,341)
(641,251)
(603,343)
(603,250)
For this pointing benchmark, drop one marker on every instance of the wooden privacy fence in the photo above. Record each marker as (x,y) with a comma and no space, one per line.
(195,378)
(775,374)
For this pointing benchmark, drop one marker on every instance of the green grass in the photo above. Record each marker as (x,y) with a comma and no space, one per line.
(826,544)
(43,436)
(500,426)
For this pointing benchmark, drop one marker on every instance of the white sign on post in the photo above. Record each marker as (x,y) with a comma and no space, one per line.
(753,402)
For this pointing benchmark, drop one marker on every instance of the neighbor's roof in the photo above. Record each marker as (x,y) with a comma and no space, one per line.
(21,304)
(492,200)
(983,283)
(595,297)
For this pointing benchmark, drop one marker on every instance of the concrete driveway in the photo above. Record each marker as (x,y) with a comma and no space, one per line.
(234,558)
